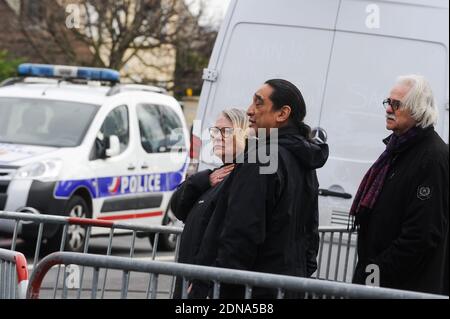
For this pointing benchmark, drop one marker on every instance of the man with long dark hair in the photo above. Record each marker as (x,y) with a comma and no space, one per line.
(268,222)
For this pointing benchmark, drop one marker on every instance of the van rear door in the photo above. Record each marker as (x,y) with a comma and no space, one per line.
(411,37)
(260,40)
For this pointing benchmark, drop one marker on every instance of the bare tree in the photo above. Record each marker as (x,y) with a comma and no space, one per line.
(115,30)
(192,58)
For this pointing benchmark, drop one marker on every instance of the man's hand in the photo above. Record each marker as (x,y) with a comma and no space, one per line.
(218,175)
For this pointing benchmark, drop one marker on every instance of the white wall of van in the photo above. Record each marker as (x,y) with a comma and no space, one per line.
(344,55)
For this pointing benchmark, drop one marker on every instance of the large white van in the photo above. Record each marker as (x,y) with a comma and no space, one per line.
(344,55)
(76,142)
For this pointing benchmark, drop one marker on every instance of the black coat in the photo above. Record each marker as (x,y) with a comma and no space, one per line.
(193,203)
(257,222)
(406,233)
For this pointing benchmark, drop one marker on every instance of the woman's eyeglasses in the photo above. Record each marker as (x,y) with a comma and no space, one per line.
(225,132)
(395,104)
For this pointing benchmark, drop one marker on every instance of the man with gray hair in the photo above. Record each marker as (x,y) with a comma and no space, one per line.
(401,207)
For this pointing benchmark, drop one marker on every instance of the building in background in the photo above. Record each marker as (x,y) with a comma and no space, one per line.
(153,42)
(22,35)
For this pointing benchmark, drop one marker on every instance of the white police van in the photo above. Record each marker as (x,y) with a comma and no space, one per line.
(76,142)
(344,55)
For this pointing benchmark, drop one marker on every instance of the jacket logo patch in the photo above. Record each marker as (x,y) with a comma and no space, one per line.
(423,192)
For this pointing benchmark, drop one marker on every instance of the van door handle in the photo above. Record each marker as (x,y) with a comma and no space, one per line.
(326,192)
(131,167)
(144,166)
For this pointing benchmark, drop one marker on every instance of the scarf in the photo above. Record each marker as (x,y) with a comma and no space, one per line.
(373,181)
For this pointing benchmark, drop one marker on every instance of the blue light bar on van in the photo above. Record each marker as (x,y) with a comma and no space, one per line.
(68,72)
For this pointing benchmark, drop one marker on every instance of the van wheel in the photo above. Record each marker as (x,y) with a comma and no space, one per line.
(167,242)
(76,234)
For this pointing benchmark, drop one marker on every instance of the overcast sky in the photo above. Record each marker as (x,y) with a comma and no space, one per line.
(215,9)
(218,7)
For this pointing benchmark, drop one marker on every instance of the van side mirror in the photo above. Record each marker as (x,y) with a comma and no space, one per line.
(114,146)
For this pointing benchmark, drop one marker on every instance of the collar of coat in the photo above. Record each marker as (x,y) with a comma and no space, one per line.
(423,132)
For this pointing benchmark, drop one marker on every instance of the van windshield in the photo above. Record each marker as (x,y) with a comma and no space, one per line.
(44,122)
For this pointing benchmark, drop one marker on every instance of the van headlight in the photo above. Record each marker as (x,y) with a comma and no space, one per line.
(45,170)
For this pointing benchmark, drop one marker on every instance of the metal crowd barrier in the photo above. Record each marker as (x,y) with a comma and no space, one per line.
(337,256)
(13,275)
(89,223)
(153,270)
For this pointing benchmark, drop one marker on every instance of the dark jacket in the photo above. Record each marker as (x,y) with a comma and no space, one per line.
(406,233)
(193,203)
(265,222)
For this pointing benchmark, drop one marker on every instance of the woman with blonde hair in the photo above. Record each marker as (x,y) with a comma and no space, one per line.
(195,200)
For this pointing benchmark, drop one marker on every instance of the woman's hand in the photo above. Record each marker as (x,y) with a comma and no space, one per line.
(218,175)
